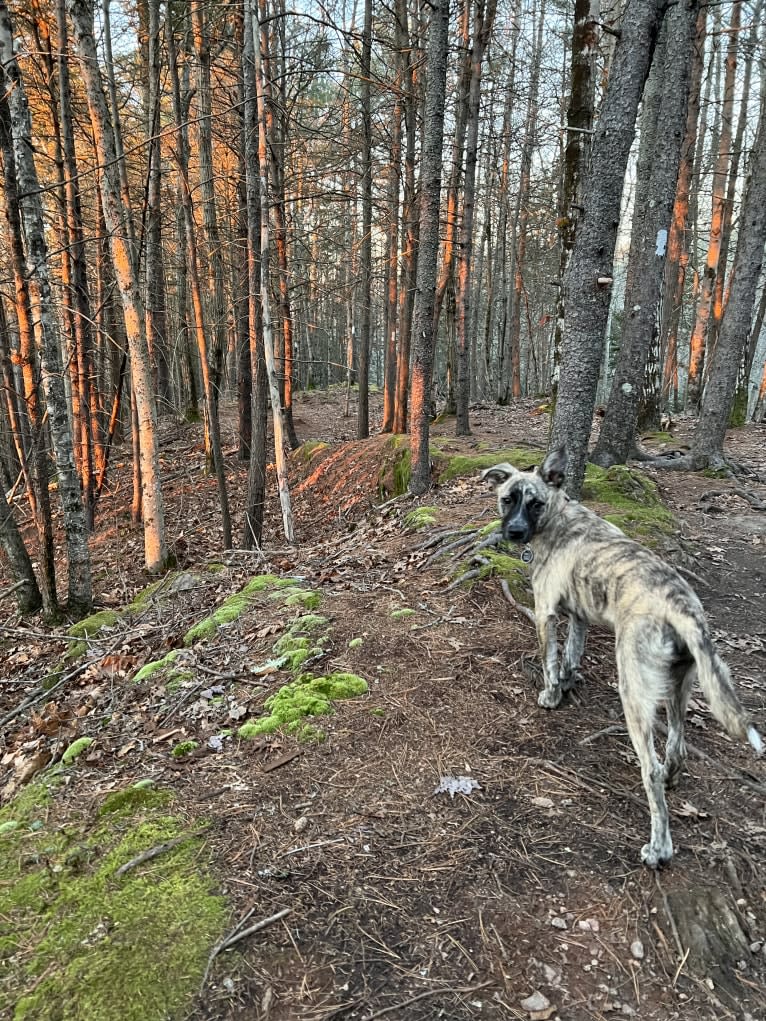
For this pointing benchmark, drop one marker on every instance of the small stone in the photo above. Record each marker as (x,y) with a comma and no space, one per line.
(535,1002)
(300,824)
(627,1010)
(637,949)
(756,946)
(552,975)
(588,925)
(542,802)
(558,923)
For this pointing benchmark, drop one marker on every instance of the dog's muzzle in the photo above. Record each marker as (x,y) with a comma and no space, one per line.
(517,529)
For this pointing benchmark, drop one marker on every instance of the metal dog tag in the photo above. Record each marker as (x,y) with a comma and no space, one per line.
(527,555)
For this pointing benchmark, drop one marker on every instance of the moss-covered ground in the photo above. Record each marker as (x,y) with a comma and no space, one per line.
(80,943)
(630,500)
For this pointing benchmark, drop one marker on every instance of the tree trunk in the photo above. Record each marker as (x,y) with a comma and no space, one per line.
(699,338)
(482,30)
(80,596)
(707,444)
(577,147)
(27,593)
(37,440)
(589,275)
(659,159)
(256,476)
(118,220)
(268,340)
(430,195)
(208,386)
(678,245)
(408,56)
(365,323)
(392,263)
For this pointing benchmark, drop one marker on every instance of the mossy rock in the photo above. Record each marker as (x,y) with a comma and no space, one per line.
(657,437)
(75,750)
(184,748)
(140,795)
(304,640)
(630,500)
(308,450)
(469,464)
(420,517)
(155,666)
(80,943)
(306,696)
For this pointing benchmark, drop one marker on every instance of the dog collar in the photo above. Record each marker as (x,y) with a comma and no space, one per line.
(527,556)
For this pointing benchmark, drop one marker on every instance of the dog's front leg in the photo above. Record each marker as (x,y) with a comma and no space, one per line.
(573,650)
(551,694)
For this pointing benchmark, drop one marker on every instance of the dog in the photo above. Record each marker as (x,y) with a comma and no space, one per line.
(586,568)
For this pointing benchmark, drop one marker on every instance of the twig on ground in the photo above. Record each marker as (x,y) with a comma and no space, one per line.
(695,577)
(154,852)
(529,614)
(672,922)
(6,592)
(448,990)
(238,933)
(615,728)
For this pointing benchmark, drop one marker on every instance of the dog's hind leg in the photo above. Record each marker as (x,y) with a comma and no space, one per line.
(640,686)
(573,650)
(682,675)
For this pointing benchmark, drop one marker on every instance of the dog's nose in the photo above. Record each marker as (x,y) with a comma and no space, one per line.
(515,532)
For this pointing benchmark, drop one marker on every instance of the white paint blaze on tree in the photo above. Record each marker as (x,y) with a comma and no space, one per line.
(117,218)
(46,325)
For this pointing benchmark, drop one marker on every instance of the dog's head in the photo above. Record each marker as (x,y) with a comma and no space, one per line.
(523,497)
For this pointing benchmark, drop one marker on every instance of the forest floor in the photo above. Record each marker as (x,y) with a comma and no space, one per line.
(394,900)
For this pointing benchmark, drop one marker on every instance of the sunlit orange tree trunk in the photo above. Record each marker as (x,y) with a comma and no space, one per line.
(117,216)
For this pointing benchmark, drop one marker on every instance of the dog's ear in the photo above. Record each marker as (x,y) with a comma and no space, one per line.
(498,474)
(554,468)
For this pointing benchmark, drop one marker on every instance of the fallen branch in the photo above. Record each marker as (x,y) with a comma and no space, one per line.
(153,852)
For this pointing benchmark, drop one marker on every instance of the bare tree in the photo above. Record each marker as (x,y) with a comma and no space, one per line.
(589,276)
(430,195)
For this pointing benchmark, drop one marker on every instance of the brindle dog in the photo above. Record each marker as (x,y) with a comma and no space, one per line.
(588,569)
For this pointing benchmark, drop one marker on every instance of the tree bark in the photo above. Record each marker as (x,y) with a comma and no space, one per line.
(699,337)
(430,196)
(483,21)
(718,400)
(365,322)
(80,595)
(589,275)
(658,165)
(118,221)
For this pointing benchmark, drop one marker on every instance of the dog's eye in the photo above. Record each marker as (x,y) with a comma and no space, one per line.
(536,505)
(511,499)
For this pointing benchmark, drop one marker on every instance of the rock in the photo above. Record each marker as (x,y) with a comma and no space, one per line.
(542,802)
(551,975)
(535,1002)
(637,949)
(755,946)
(558,923)
(588,925)
(300,824)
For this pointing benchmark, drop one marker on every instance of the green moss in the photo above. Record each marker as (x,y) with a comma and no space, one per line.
(402,613)
(73,651)
(306,696)
(79,943)
(75,749)
(89,627)
(297,596)
(630,500)
(184,748)
(51,680)
(493,526)
(140,795)
(355,643)
(658,437)
(377,711)
(506,567)
(155,666)
(261,582)
(462,464)
(142,600)
(177,678)
(421,517)
(715,473)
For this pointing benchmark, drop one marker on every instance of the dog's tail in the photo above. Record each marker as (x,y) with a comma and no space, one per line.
(715,681)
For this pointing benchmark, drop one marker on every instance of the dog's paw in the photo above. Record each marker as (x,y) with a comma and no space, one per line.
(655,857)
(549,698)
